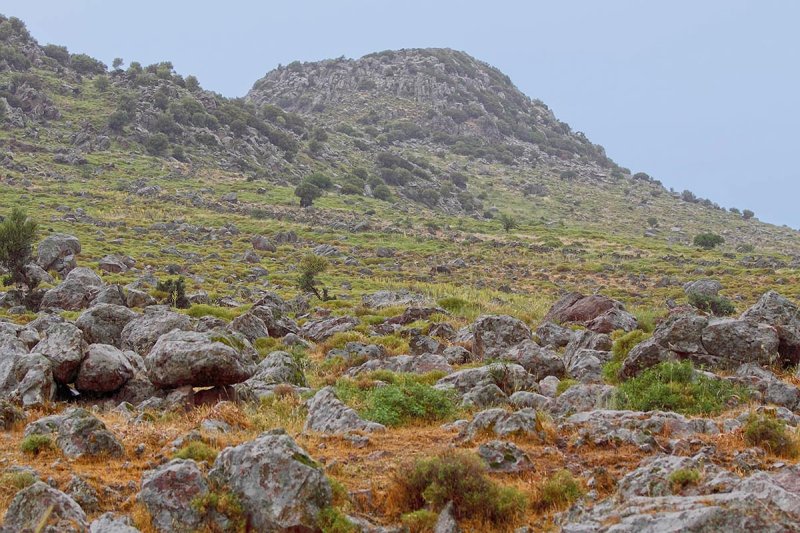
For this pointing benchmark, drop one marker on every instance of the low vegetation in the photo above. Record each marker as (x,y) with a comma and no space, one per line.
(770,433)
(559,491)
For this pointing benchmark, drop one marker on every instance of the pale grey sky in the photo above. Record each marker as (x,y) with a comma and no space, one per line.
(702,95)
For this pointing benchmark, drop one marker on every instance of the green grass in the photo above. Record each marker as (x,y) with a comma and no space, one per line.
(622,346)
(675,386)
(421,521)
(771,434)
(17,480)
(35,444)
(403,400)
(460,477)
(225,313)
(332,520)
(559,491)
(684,477)
(565,384)
(197,451)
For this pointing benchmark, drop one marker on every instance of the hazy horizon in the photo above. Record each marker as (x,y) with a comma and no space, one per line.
(700,96)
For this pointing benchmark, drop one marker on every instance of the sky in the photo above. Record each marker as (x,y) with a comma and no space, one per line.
(700,94)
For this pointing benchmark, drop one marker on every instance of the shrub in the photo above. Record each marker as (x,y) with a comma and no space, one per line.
(675,386)
(59,53)
(707,241)
(307,192)
(156,144)
(17,234)
(85,64)
(718,305)
(770,433)
(332,520)
(319,180)
(405,399)
(460,477)
(623,344)
(34,444)
(312,266)
(197,451)
(422,521)
(507,222)
(560,490)
(382,192)
(683,477)
(175,291)
(747,214)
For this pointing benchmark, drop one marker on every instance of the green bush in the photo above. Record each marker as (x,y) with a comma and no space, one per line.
(332,520)
(403,400)
(623,344)
(683,477)
(718,305)
(34,444)
(560,490)
(157,144)
(197,451)
(707,241)
(175,290)
(675,386)
(460,477)
(565,384)
(770,433)
(17,234)
(422,521)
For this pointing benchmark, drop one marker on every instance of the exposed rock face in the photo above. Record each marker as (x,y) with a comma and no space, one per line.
(381,299)
(104,369)
(741,341)
(64,347)
(494,335)
(415,364)
(328,414)
(103,323)
(30,506)
(76,292)
(140,334)
(167,493)
(280,487)
(598,313)
(57,252)
(784,316)
(192,358)
(78,433)
(319,330)
(503,456)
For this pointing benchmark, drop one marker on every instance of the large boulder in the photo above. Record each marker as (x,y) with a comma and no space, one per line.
(104,369)
(103,323)
(33,382)
(168,492)
(328,414)
(141,333)
(703,287)
(735,342)
(494,335)
(76,292)
(181,358)
(784,316)
(539,362)
(411,364)
(277,369)
(41,508)
(249,325)
(57,252)
(319,330)
(598,313)
(78,433)
(279,486)
(64,347)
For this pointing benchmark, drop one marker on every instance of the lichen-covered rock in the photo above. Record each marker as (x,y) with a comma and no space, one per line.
(76,292)
(250,326)
(412,364)
(104,369)
(141,333)
(64,347)
(41,508)
(57,252)
(319,330)
(504,456)
(199,359)
(735,342)
(103,323)
(78,433)
(539,362)
(328,414)
(503,424)
(279,486)
(168,492)
(111,523)
(598,313)
(494,335)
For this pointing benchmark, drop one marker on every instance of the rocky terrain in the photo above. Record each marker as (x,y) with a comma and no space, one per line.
(194,351)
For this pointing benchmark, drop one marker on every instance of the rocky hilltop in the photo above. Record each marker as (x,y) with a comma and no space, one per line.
(479,323)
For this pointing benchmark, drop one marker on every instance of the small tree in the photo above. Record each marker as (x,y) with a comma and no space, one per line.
(747,214)
(175,291)
(312,266)
(117,63)
(17,235)
(707,241)
(508,222)
(307,192)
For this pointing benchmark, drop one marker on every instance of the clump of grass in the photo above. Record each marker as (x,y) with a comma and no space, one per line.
(455,305)
(422,521)
(197,451)
(35,444)
(332,520)
(340,339)
(460,477)
(675,386)
(623,344)
(771,434)
(559,491)
(225,313)
(565,384)
(225,504)
(684,477)
(402,400)
(17,480)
